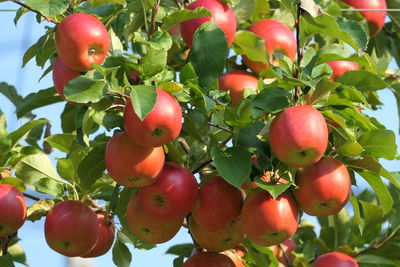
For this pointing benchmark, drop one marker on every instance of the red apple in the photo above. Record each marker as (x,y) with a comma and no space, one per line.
(299,136)
(375,19)
(61,76)
(236,254)
(235,82)
(217,205)
(278,38)
(222,15)
(208,259)
(217,241)
(335,259)
(341,67)
(81,40)
(71,228)
(162,125)
(174,30)
(172,196)
(149,229)
(288,247)
(267,221)
(324,187)
(105,238)
(131,164)
(12,210)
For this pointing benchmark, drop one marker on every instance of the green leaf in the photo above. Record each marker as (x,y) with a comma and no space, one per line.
(11,93)
(39,209)
(208,66)
(181,250)
(274,189)
(143,99)
(350,149)
(18,134)
(363,80)
(62,142)
(380,143)
(311,7)
(17,183)
(6,261)
(184,15)
(153,62)
(49,8)
(373,259)
(251,45)
(271,100)
(50,187)
(243,9)
(233,164)
(357,220)
(92,166)
(83,90)
(102,2)
(373,214)
(17,253)
(121,255)
(36,100)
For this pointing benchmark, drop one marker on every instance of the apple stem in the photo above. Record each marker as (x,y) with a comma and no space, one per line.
(35,11)
(285,255)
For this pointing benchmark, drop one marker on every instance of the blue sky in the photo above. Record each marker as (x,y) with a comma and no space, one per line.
(13,43)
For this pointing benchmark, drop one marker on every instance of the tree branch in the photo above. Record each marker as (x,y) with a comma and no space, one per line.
(285,256)
(184,144)
(380,243)
(30,196)
(220,127)
(33,10)
(153,19)
(198,169)
(299,51)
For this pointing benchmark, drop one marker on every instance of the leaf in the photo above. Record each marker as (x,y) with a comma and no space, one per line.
(50,187)
(271,100)
(243,9)
(350,149)
(121,255)
(92,166)
(208,66)
(251,45)
(184,15)
(39,209)
(273,189)
(36,100)
(6,261)
(311,7)
(62,142)
(83,90)
(18,134)
(11,93)
(233,164)
(49,8)
(373,259)
(102,2)
(363,80)
(17,253)
(181,250)
(380,143)
(143,99)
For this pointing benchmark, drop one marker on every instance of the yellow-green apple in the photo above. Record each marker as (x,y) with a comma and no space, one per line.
(81,40)
(131,164)
(341,67)
(12,210)
(324,187)
(61,76)
(299,136)
(286,247)
(209,259)
(335,259)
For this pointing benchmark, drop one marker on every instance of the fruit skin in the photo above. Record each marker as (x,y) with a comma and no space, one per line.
(12,210)
(288,246)
(235,82)
(335,259)
(217,241)
(236,255)
(61,76)
(217,205)
(341,67)
(105,238)
(299,136)
(222,15)
(162,125)
(81,40)
(278,38)
(375,19)
(150,229)
(208,259)
(324,187)
(131,164)
(71,228)
(173,194)
(267,221)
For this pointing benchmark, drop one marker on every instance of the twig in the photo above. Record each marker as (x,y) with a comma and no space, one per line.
(299,51)
(35,11)
(30,196)
(184,144)
(152,28)
(198,169)
(118,93)
(220,127)
(285,256)
(4,241)
(380,243)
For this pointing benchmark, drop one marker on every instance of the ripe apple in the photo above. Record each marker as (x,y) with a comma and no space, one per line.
(12,210)
(278,38)
(375,19)
(105,238)
(299,136)
(222,15)
(81,40)
(236,255)
(235,82)
(151,230)
(209,259)
(162,125)
(217,205)
(341,67)
(61,76)
(71,228)
(172,196)
(269,221)
(324,187)
(131,164)
(288,246)
(217,241)
(335,259)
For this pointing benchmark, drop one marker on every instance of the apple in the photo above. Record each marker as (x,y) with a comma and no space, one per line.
(288,246)
(217,241)
(324,187)
(71,228)
(217,205)
(341,67)
(173,194)
(61,76)
(236,255)
(81,40)
(235,82)
(12,210)
(174,30)
(375,19)
(149,229)
(105,238)
(162,125)
(299,136)
(278,38)
(221,14)
(209,259)
(335,259)
(131,164)
(267,221)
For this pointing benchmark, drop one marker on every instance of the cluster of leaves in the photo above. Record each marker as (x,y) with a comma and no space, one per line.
(221,137)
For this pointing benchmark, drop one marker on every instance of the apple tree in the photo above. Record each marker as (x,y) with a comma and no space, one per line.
(243,121)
